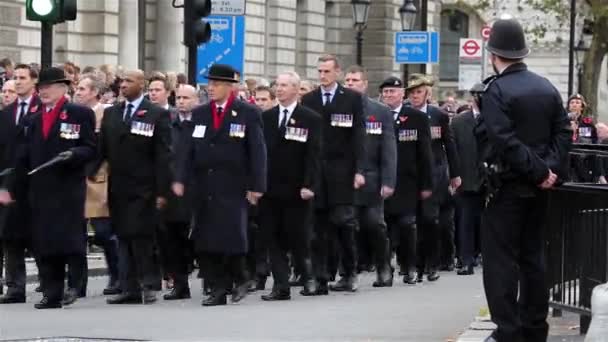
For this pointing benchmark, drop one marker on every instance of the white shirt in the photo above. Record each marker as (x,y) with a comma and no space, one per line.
(166,107)
(185,116)
(25,109)
(396,111)
(424,108)
(135,104)
(289,109)
(331,91)
(222,105)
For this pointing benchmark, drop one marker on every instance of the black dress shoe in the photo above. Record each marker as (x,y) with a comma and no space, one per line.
(240,292)
(252,287)
(277,295)
(38,289)
(310,288)
(433,276)
(70,297)
(419,276)
(177,294)
(469,270)
(12,299)
(112,289)
(148,296)
(447,268)
(260,283)
(46,304)
(383,279)
(410,278)
(215,300)
(296,280)
(345,284)
(322,289)
(125,298)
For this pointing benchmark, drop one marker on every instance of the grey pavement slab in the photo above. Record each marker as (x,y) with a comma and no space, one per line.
(429,312)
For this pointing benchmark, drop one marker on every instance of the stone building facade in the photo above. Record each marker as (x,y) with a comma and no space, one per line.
(280,35)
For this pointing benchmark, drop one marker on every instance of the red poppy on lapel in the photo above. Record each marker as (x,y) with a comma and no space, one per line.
(141,113)
(588,120)
(34,109)
(63,115)
(372,118)
(403,118)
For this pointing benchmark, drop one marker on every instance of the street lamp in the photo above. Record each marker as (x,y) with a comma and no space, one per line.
(580,49)
(407,13)
(360,15)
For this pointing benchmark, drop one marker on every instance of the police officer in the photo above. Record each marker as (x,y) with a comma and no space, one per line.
(342,156)
(225,154)
(414,177)
(528,140)
(57,193)
(379,171)
(436,212)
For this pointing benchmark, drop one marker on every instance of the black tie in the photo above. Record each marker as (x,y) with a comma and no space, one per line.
(127,117)
(21,113)
(327,98)
(283,123)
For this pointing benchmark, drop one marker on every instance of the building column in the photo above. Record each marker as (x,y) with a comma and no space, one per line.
(170,52)
(128,23)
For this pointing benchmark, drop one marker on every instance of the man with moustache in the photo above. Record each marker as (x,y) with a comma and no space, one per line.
(223,156)
(293,141)
(135,141)
(342,165)
(177,216)
(414,177)
(14,231)
(379,172)
(56,194)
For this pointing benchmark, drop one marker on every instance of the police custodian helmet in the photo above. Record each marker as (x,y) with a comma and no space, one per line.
(507,40)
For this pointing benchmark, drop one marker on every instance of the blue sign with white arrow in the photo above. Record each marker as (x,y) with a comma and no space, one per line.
(416,47)
(226,46)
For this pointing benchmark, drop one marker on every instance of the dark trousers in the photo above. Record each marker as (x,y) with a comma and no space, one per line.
(179,252)
(137,265)
(286,226)
(469,206)
(106,239)
(14,251)
(222,271)
(258,256)
(405,239)
(78,267)
(428,237)
(373,226)
(513,259)
(447,232)
(52,272)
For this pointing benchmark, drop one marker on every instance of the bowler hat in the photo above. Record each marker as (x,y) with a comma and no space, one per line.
(52,75)
(391,82)
(223,72)
(507,40)
(418,80)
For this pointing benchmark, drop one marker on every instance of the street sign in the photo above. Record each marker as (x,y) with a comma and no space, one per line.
(226,46)
(485,32)
(468,75)
(470,49)
(228,7)
(416,47)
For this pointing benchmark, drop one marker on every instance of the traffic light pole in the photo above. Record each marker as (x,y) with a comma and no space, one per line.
(192,65)
(46,44)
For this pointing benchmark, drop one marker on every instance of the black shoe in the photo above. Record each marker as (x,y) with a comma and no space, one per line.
(469,270)
(46,304)
(12,299)
(410,278)
(38,289)
(70,297)
(310,288)
(447,268)
(260,283)
(383,279)
(348,284)
(420,276)
(296,280)
(332,278)
(215,300)
(176,294)
(148,296)
(433,276)
(112,289)
(322,289)
(125,298)
(252,286)
(240,292)
(276,295)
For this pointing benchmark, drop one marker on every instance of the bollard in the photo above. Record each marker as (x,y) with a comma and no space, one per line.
(598,330)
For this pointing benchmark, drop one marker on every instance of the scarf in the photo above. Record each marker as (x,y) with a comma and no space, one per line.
(219,117)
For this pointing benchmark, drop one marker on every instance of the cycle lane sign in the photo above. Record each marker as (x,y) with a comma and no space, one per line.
(226,46)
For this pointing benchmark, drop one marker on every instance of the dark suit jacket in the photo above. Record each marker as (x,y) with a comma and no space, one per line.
(444,147)
(414,161)
(292,164)
(138,167)
(463,126)
(222,167)
(380,165)
(57,194)
(178,208)
(14,219)
(342,149)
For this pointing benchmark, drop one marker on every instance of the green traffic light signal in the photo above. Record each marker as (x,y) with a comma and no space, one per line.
(51,11)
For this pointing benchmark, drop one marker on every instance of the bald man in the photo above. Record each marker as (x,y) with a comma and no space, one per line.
(9,93)
(176,217)
(135,140)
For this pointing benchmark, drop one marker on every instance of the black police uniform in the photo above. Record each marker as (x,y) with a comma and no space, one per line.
(528,134)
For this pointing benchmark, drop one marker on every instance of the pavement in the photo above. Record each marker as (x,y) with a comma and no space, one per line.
(427,312)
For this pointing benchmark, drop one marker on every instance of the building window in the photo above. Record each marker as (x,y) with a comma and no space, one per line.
(454,25)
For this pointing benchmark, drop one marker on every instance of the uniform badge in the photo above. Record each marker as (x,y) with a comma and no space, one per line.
(584,132)
(69,131)
(292,121)
(408,135)
(342,120)
(142,128)
(199,131)
(435,132)
(296,134)
(233,113)
(373,127)
(237,130)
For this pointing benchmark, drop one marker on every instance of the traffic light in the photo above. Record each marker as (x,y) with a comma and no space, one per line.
(50,11)
(196,31)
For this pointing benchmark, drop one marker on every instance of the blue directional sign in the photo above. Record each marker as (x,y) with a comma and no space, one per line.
(226,46)
(415,47)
